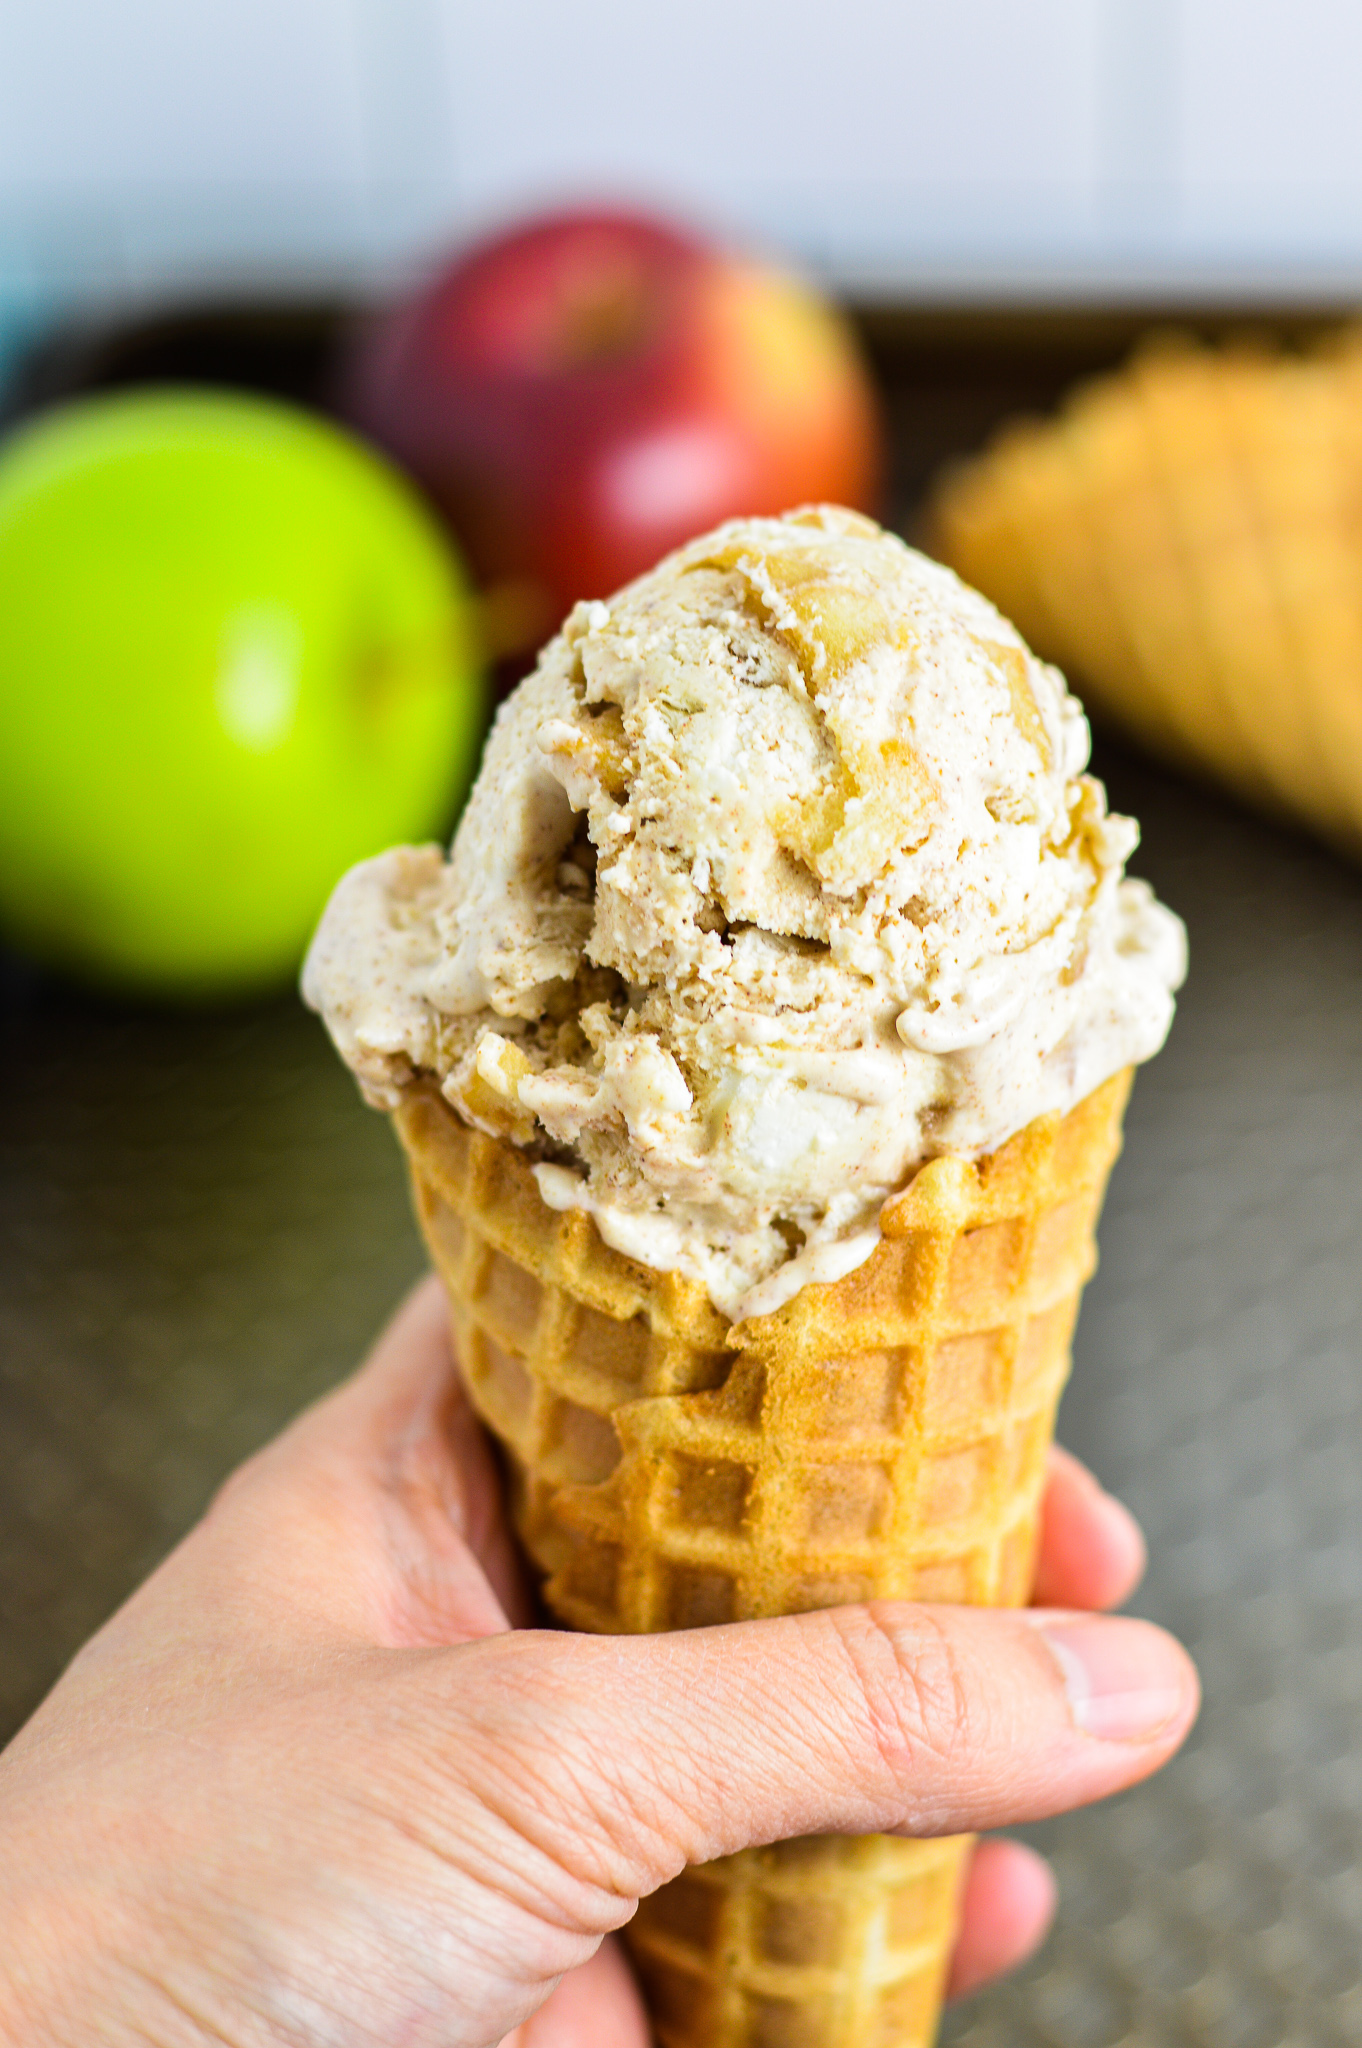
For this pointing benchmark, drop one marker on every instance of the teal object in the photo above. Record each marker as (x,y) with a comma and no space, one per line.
(21,329)
(235,658)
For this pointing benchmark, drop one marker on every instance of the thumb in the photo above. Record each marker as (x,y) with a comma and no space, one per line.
(624,1758)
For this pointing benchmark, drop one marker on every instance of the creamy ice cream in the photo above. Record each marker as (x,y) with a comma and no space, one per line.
(781,875)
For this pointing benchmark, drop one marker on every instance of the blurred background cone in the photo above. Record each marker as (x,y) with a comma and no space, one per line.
(1185,539)
(883,1436)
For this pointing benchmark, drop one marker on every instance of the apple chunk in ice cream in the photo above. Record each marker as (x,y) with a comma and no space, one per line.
(782,876)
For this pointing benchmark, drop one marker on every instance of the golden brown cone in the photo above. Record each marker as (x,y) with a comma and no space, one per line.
(883,1436)
(1185,539)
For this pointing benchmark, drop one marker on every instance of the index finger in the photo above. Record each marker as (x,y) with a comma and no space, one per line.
(1092,1552)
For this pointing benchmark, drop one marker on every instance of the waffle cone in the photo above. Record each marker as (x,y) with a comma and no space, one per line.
(1183,539)
(882,1436)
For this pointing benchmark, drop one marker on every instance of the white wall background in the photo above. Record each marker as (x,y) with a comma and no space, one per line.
(921,148)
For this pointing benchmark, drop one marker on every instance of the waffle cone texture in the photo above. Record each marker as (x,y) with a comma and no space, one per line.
(1185,539)
(882,1436)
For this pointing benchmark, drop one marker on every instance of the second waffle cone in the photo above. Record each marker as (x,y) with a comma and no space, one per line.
(882,1436)
(1183,539)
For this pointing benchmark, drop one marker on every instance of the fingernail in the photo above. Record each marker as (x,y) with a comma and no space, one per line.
(1124,1679)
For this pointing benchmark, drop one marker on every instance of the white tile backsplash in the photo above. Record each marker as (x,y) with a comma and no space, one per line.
(929,148)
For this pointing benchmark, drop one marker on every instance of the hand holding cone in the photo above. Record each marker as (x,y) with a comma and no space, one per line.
(884,1436)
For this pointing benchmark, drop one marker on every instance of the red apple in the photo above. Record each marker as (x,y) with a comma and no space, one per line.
(583,393)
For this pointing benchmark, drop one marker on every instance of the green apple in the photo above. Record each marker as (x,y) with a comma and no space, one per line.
(235,657)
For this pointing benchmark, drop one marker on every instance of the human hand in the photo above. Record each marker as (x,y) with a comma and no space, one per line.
(319,1781)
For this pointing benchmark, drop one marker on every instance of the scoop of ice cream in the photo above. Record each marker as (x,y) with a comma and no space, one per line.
(781,875)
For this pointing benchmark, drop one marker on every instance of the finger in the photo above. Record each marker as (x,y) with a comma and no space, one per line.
(1005,1914)
(410,1354)
(379,1512)
(408,1402)
(408,1418)
(626,1757)
(1092,1552)
(408,1373)
(597,2006)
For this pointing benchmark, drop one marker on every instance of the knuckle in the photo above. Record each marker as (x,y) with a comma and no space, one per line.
(913,1687)
(604,1812)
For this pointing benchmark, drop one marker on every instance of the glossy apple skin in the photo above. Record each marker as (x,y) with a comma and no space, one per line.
(587,392)
(234,659)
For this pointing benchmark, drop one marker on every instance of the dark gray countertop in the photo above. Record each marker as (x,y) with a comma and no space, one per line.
(1217,1388)
(201,1227)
